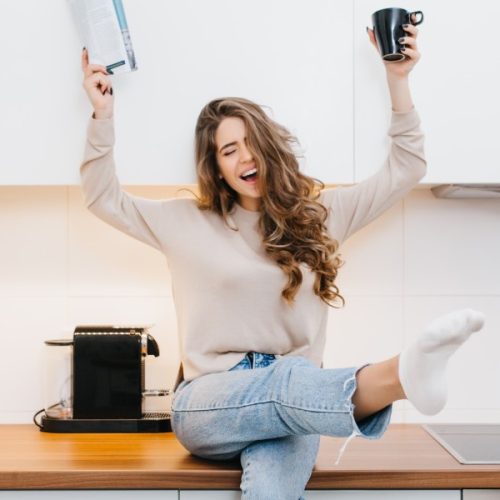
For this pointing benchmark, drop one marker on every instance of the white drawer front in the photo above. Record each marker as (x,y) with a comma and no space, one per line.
(481,495)
(91,495)
(384,495)
(337,495)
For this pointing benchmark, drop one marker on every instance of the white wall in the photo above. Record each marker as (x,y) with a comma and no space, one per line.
(60,266)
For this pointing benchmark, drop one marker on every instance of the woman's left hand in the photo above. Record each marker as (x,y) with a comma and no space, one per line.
(412,55)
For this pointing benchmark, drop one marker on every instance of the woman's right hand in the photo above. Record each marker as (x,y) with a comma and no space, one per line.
(97,84)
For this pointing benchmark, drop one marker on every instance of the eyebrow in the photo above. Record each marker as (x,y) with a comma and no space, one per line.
(227,145)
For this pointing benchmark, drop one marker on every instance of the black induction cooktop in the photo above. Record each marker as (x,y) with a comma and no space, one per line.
(468,443)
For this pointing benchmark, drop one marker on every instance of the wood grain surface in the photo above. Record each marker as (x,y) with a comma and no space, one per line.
(406,457)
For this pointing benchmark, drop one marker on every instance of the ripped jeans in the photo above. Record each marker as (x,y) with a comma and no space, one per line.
(270,411)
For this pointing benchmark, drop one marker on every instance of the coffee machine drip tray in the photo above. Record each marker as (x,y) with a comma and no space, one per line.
(150,422)
(468,443)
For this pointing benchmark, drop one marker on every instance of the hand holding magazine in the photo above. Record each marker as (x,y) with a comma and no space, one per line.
(104,32)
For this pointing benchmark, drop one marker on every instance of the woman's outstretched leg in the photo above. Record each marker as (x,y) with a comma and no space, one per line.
(378,386)
(218,415)
(419,373)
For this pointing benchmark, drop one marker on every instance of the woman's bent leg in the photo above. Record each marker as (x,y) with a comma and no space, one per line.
(218,415)
(278,468)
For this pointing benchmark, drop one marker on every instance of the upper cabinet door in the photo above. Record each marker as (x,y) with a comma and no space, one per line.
(455,90)
(292,56)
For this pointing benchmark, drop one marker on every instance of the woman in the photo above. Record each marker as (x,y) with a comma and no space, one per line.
(252,299)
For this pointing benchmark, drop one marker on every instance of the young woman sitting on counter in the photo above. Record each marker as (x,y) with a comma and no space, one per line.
(254,261)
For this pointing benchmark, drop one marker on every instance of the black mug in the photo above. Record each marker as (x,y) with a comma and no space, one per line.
(388,27)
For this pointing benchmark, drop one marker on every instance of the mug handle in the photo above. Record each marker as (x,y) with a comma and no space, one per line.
(416,13)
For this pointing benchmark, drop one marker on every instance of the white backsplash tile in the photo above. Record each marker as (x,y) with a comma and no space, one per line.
(451,246)
(33,249)
(451,415)
(17,417)
(366,330)
(374,257)
(25,324)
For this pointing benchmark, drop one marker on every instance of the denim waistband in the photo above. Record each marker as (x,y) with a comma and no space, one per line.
(254,360)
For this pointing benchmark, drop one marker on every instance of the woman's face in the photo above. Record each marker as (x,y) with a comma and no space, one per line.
(235,161)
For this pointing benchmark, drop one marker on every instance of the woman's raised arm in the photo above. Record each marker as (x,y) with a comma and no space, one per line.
(353,207)
(150,221)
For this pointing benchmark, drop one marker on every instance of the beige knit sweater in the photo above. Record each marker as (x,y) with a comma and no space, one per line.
(227,292)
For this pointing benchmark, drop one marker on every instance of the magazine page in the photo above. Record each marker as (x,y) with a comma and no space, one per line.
(104,32)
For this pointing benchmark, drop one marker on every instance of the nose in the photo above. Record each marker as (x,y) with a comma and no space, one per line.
(246,156)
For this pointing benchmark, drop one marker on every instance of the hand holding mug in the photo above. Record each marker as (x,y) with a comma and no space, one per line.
(395,37)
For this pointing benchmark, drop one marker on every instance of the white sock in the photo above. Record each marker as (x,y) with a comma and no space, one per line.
(422,365)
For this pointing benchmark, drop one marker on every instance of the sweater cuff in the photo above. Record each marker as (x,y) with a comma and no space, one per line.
(403,121)
(101,132)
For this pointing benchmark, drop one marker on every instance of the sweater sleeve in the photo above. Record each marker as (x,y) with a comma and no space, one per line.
(140,218)
(351,208)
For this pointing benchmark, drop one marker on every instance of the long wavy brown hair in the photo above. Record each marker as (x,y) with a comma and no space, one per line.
(291,221)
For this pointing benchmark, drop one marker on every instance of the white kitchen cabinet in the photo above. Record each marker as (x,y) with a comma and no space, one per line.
(209,495)
(311,63)
(455,89)
(384,495)
(293,56)
(336,495)
(91,495)
(481,495)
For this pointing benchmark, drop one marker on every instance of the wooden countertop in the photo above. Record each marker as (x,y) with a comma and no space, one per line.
(406,457)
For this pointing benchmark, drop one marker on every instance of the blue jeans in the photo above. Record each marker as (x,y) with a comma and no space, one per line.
(271,412)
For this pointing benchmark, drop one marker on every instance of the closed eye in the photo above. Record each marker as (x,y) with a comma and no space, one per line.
(230,153)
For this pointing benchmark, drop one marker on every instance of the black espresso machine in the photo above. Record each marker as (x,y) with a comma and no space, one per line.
(95,382)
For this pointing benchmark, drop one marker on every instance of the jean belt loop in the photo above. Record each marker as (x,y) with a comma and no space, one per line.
(250,358)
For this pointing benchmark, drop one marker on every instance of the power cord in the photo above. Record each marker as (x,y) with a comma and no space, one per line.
(35,420)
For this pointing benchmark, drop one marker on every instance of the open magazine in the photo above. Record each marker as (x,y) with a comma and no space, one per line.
(104,32)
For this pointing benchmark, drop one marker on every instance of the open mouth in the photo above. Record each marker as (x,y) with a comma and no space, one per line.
(249,176)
